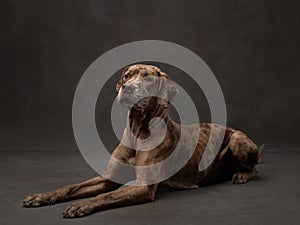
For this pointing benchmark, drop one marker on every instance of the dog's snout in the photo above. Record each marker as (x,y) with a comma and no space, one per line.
(128,89)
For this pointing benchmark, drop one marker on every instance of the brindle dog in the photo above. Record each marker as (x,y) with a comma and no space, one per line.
(236,159)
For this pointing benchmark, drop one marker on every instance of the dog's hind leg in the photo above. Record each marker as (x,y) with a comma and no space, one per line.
(245,157)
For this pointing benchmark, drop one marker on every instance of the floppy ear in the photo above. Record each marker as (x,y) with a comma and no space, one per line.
(120,82)
(169,87)
(119,85)
(172,91)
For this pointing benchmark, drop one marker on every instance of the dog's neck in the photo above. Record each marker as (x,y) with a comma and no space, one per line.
(139,119)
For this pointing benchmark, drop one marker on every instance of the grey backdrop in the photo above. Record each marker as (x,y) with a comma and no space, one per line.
(251,46)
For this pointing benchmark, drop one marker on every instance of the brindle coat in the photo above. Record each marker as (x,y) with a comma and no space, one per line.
(236,159)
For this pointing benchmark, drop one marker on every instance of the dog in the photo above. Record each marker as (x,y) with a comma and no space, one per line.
(236,158)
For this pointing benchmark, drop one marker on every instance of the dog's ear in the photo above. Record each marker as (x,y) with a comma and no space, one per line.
(172,91)
(169,87)
(120,82)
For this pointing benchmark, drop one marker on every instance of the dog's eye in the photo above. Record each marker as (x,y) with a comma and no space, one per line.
(148,78)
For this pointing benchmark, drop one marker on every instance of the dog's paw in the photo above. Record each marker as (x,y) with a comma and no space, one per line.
(241,178)
(35,200)
(79,209)
(40,199)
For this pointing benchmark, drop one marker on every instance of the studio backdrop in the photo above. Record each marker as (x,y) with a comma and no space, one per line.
(252,47)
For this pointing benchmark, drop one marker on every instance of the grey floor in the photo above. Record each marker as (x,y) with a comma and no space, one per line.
(273,198)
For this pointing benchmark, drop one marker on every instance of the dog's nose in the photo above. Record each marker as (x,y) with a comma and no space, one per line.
(128,89)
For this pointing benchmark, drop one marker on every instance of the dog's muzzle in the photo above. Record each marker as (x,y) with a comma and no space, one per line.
(129,97)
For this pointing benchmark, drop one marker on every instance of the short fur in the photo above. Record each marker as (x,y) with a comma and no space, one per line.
(236,158)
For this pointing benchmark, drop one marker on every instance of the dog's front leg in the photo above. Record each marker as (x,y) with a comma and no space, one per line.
(88,188)
(122,197)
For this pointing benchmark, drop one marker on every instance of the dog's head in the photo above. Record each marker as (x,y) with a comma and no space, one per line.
(141,84)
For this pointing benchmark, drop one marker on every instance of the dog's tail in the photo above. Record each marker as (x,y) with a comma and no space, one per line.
(261,150)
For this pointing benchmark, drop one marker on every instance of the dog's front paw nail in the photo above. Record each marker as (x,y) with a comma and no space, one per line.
(77,210)
(32,201)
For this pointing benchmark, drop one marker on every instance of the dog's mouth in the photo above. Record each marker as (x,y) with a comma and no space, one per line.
(129,101)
